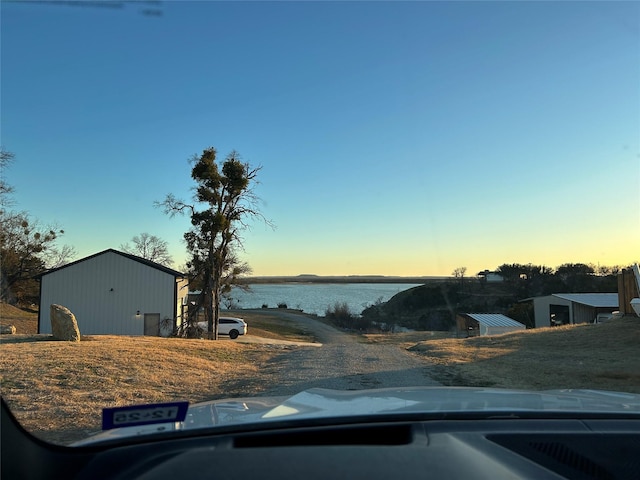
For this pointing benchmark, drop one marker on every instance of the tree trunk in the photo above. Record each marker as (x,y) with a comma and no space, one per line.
(209,311)
(212,306)
(216,310)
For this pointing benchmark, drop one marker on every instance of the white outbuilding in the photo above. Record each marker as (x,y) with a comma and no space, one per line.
(115,293)
(474,324)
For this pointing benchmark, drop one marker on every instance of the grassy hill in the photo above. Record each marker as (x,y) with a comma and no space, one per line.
(603,356)
(432,306)
(25,321)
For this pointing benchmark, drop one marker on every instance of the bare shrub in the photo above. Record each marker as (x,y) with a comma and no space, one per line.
(341,316)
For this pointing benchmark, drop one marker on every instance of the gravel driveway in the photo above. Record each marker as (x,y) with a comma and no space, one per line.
(341,363)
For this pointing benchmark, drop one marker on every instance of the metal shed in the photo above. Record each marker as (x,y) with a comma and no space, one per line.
(115,293)
(474,324)
(569,308)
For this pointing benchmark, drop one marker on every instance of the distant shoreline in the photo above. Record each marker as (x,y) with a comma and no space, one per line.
(342,279)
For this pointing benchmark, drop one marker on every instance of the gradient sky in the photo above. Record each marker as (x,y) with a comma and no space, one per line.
(394,138)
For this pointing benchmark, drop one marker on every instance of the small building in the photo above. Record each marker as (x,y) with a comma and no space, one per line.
(487,276)
(115,293)
(474,324)
(569,308)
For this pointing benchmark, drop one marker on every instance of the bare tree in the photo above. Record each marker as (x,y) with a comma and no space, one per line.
(24,244)
(27,248)
(459,273)
(223,203)
(5,189)
(149,247)
(57,256)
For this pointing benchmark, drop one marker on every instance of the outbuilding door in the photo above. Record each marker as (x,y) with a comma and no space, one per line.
(559,315)
(152,324)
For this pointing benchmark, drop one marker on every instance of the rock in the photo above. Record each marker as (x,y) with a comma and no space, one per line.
(7,329)
(63,324)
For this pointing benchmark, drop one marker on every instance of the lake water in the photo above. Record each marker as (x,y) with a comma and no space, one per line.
(317,297)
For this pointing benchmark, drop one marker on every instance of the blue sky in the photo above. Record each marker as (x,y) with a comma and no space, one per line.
(398,138)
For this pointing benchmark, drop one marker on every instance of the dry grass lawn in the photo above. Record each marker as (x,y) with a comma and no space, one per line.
(604,356)
(58,389)
(270,325)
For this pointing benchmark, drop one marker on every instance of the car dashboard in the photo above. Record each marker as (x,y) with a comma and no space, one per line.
(377,448)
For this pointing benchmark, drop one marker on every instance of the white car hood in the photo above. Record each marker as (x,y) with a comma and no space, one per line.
(432,402)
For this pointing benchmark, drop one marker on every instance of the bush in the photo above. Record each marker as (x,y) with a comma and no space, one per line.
(339,311)
(231,303)
(341,316)
(282,305)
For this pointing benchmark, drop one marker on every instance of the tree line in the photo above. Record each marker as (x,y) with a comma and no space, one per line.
(529,280)
(433,306)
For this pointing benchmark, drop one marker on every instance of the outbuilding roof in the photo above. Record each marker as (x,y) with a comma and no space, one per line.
(494,320)
(597,300)
(135,258)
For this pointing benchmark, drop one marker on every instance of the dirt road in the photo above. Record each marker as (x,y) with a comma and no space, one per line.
(342,362)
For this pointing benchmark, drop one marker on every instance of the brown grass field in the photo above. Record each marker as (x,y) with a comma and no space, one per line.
(58,389)
(62,387)
(604,356)
(267,325)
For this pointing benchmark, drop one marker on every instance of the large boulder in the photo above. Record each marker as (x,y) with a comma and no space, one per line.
(7,329)
(63,324)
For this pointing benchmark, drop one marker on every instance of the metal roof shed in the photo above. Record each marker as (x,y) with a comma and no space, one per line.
(115,293)
(569,308)
(487,324)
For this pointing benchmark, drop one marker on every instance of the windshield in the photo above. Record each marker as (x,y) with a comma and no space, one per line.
(212,200)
